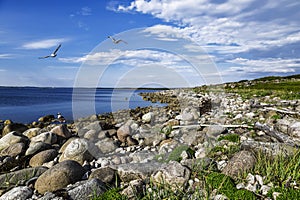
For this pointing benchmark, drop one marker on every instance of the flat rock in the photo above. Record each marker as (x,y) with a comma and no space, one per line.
(18,193)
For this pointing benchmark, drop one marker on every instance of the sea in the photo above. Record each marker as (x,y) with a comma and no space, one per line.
(28,104)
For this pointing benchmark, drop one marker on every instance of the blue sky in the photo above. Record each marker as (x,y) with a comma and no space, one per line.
(170,42)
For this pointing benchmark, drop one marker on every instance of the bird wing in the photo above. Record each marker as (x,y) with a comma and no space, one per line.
(123,41)
(44,57)
(57,49)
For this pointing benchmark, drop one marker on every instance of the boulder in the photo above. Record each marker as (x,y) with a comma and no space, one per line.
(14,150)
(123,132)
(59,176)
(12,138)
(32,132)
(173,174)
(17,127)
(46,137)
(77,150)
(105,174)
(61,130)
(239,163)
(43,157)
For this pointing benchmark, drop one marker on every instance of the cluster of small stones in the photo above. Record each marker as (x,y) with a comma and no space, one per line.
(128,148)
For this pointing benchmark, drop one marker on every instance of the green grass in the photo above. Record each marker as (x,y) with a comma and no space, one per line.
(230,137)
(111,194)
(286,89)
(278,169)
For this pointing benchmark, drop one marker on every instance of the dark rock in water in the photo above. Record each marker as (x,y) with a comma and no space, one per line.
(46,118)
(59,176)
(20,128)
(239,163)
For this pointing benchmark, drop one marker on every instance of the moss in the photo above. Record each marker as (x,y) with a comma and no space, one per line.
(226,186)
(112,194)
(230,137)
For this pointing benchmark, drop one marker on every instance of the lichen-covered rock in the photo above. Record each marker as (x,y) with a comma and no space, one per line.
(239,163)
(173,174)
(59,176)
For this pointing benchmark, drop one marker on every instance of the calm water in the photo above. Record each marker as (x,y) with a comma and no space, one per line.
(27,104)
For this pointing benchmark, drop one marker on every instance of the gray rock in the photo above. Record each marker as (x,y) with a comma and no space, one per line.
(106,145)
(105,174)
(46,137)
(272,149)
(77,150)
(61,130)
(86,189)
(50,196)
(239,163)
(14,150)
(123,132)
(12,138)
(59,176)
(173,173)
(134,189)
(35,147)
(194,137)
(43,157)
(133,171)
(94,126)
(18,193)
(21,175)
(148,117)
(215,130)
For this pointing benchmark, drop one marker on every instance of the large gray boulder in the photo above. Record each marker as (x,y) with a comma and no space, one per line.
(59,176)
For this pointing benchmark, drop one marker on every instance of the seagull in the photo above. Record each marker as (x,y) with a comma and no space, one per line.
(116,41)
(52,54)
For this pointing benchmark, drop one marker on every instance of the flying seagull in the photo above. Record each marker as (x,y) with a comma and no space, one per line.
(116,41)
(52,54)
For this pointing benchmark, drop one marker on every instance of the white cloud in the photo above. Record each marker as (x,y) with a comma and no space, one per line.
(44,44)
(5,56)
(271,65)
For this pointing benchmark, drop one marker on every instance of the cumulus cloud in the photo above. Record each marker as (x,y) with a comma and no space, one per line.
(230,31)
(44,44)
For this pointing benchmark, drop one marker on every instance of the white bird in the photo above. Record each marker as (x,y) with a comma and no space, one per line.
(52,54)
(116,41)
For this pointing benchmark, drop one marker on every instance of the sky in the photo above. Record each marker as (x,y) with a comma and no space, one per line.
(169,43)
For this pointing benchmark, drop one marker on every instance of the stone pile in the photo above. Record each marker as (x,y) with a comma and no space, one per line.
(129,148)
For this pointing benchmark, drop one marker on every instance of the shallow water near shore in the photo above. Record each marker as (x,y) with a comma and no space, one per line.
(27,104)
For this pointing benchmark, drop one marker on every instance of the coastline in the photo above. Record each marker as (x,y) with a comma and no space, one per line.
(196,138)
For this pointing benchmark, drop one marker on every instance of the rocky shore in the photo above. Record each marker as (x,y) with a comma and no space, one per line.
(187,146)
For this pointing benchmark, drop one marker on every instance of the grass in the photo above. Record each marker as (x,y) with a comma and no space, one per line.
(278,169)
(286,89)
